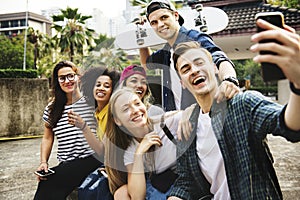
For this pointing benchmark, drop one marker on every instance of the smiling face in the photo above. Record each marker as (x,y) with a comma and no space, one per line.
(138,83)
(165,23)
(68,86)
(102,89)
(197,72)
(131,113)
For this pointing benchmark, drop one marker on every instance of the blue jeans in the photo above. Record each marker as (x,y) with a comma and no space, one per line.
(153,194)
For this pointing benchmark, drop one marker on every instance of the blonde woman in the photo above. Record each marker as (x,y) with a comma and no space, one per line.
(137,148)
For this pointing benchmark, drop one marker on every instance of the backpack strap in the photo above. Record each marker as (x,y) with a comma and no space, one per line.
(166,130)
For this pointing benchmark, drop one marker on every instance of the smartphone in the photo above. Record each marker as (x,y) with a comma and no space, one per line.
(42,173)
(270,71)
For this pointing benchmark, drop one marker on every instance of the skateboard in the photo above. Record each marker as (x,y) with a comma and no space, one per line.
(138,36)
(206,19)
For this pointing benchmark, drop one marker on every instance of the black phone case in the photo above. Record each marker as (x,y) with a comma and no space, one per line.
(270,71)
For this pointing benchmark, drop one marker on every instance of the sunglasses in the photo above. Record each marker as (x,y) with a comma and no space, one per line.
(70,77)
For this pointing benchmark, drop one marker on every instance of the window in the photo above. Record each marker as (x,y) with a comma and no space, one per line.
(22,22)
(14,23)
(4,24)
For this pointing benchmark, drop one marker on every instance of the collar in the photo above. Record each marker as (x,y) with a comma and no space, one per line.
(182,37)
(101,114)
(217,108)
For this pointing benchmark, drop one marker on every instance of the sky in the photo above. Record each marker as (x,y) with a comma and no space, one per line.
(109,8)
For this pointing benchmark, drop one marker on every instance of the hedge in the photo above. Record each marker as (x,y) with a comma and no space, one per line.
(266,90)
(18,73)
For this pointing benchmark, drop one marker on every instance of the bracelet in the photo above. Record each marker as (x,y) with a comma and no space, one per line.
(44,162)
(293,89)
(83,127)
(232,79)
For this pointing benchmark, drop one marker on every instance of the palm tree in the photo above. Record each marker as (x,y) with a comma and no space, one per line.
(72,35)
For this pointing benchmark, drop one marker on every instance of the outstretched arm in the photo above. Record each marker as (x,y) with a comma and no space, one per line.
(287,58)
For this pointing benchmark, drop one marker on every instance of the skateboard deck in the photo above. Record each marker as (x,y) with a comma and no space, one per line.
(205,19)
(138,36)
(209,19)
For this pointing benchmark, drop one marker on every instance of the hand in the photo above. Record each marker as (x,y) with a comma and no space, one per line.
(43,166)
(75,119)
(226,91)
(184,126)
(288,52)
(141,20)
(149,140)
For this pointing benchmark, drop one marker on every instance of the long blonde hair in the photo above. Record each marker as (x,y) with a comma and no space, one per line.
(117,141)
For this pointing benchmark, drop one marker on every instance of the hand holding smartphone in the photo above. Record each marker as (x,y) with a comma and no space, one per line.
(270,71)
(42,173)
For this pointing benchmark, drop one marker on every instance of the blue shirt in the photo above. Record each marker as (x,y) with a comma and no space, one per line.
(241,126)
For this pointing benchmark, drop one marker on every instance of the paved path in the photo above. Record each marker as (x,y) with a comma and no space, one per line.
(18,160)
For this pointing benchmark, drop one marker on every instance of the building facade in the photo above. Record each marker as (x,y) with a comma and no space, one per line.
(14,23)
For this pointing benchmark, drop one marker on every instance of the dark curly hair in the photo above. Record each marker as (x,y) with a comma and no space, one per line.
(89,78)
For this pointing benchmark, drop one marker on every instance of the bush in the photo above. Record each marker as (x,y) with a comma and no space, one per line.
(18,73)
(266,90)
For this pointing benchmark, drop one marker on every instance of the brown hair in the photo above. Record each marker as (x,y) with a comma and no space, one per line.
(59,96)
(183,47)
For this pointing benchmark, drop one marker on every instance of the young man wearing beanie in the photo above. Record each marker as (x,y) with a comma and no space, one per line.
(167,23)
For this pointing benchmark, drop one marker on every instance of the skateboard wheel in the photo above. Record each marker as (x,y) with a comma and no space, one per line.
(203,28)
(199,7)
(140,41)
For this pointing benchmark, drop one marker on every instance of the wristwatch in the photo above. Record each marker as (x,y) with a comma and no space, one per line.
(232,79)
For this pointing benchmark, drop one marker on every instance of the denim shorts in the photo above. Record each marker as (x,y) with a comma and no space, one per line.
(153,194)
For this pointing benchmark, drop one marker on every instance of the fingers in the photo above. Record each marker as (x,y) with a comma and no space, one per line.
(75,119)
(140,20)
(227,90)
(179,133)
(153,139)
(184,129)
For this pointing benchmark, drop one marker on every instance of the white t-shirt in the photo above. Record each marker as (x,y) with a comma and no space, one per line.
(154,110)
(210,158)
(164,156)
(175,83)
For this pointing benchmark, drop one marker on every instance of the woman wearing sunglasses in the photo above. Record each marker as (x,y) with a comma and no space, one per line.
(76,158)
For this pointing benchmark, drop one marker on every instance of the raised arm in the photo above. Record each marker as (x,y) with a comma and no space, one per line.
(91,138)
(287,58)
(144,54)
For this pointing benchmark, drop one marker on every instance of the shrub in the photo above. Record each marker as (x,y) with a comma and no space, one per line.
(18,73)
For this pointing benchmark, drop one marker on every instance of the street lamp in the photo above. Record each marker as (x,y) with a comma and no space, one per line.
(25,37)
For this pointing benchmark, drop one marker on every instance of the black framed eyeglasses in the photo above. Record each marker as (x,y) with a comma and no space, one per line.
(70,77)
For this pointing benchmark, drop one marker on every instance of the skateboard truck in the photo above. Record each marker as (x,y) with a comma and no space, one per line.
(200,20)
(140,33)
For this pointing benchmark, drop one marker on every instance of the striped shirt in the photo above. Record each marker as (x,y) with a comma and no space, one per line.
(71,141)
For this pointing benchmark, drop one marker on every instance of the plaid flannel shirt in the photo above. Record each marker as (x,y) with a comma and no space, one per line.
(241,126)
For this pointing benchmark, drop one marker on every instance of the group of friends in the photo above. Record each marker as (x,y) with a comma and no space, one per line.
(206,141)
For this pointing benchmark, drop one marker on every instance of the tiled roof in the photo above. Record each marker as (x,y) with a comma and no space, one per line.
(241,17)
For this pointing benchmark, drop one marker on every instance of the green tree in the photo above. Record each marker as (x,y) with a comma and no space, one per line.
(286,3)
(72,35)
(105,54)
(12,52)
